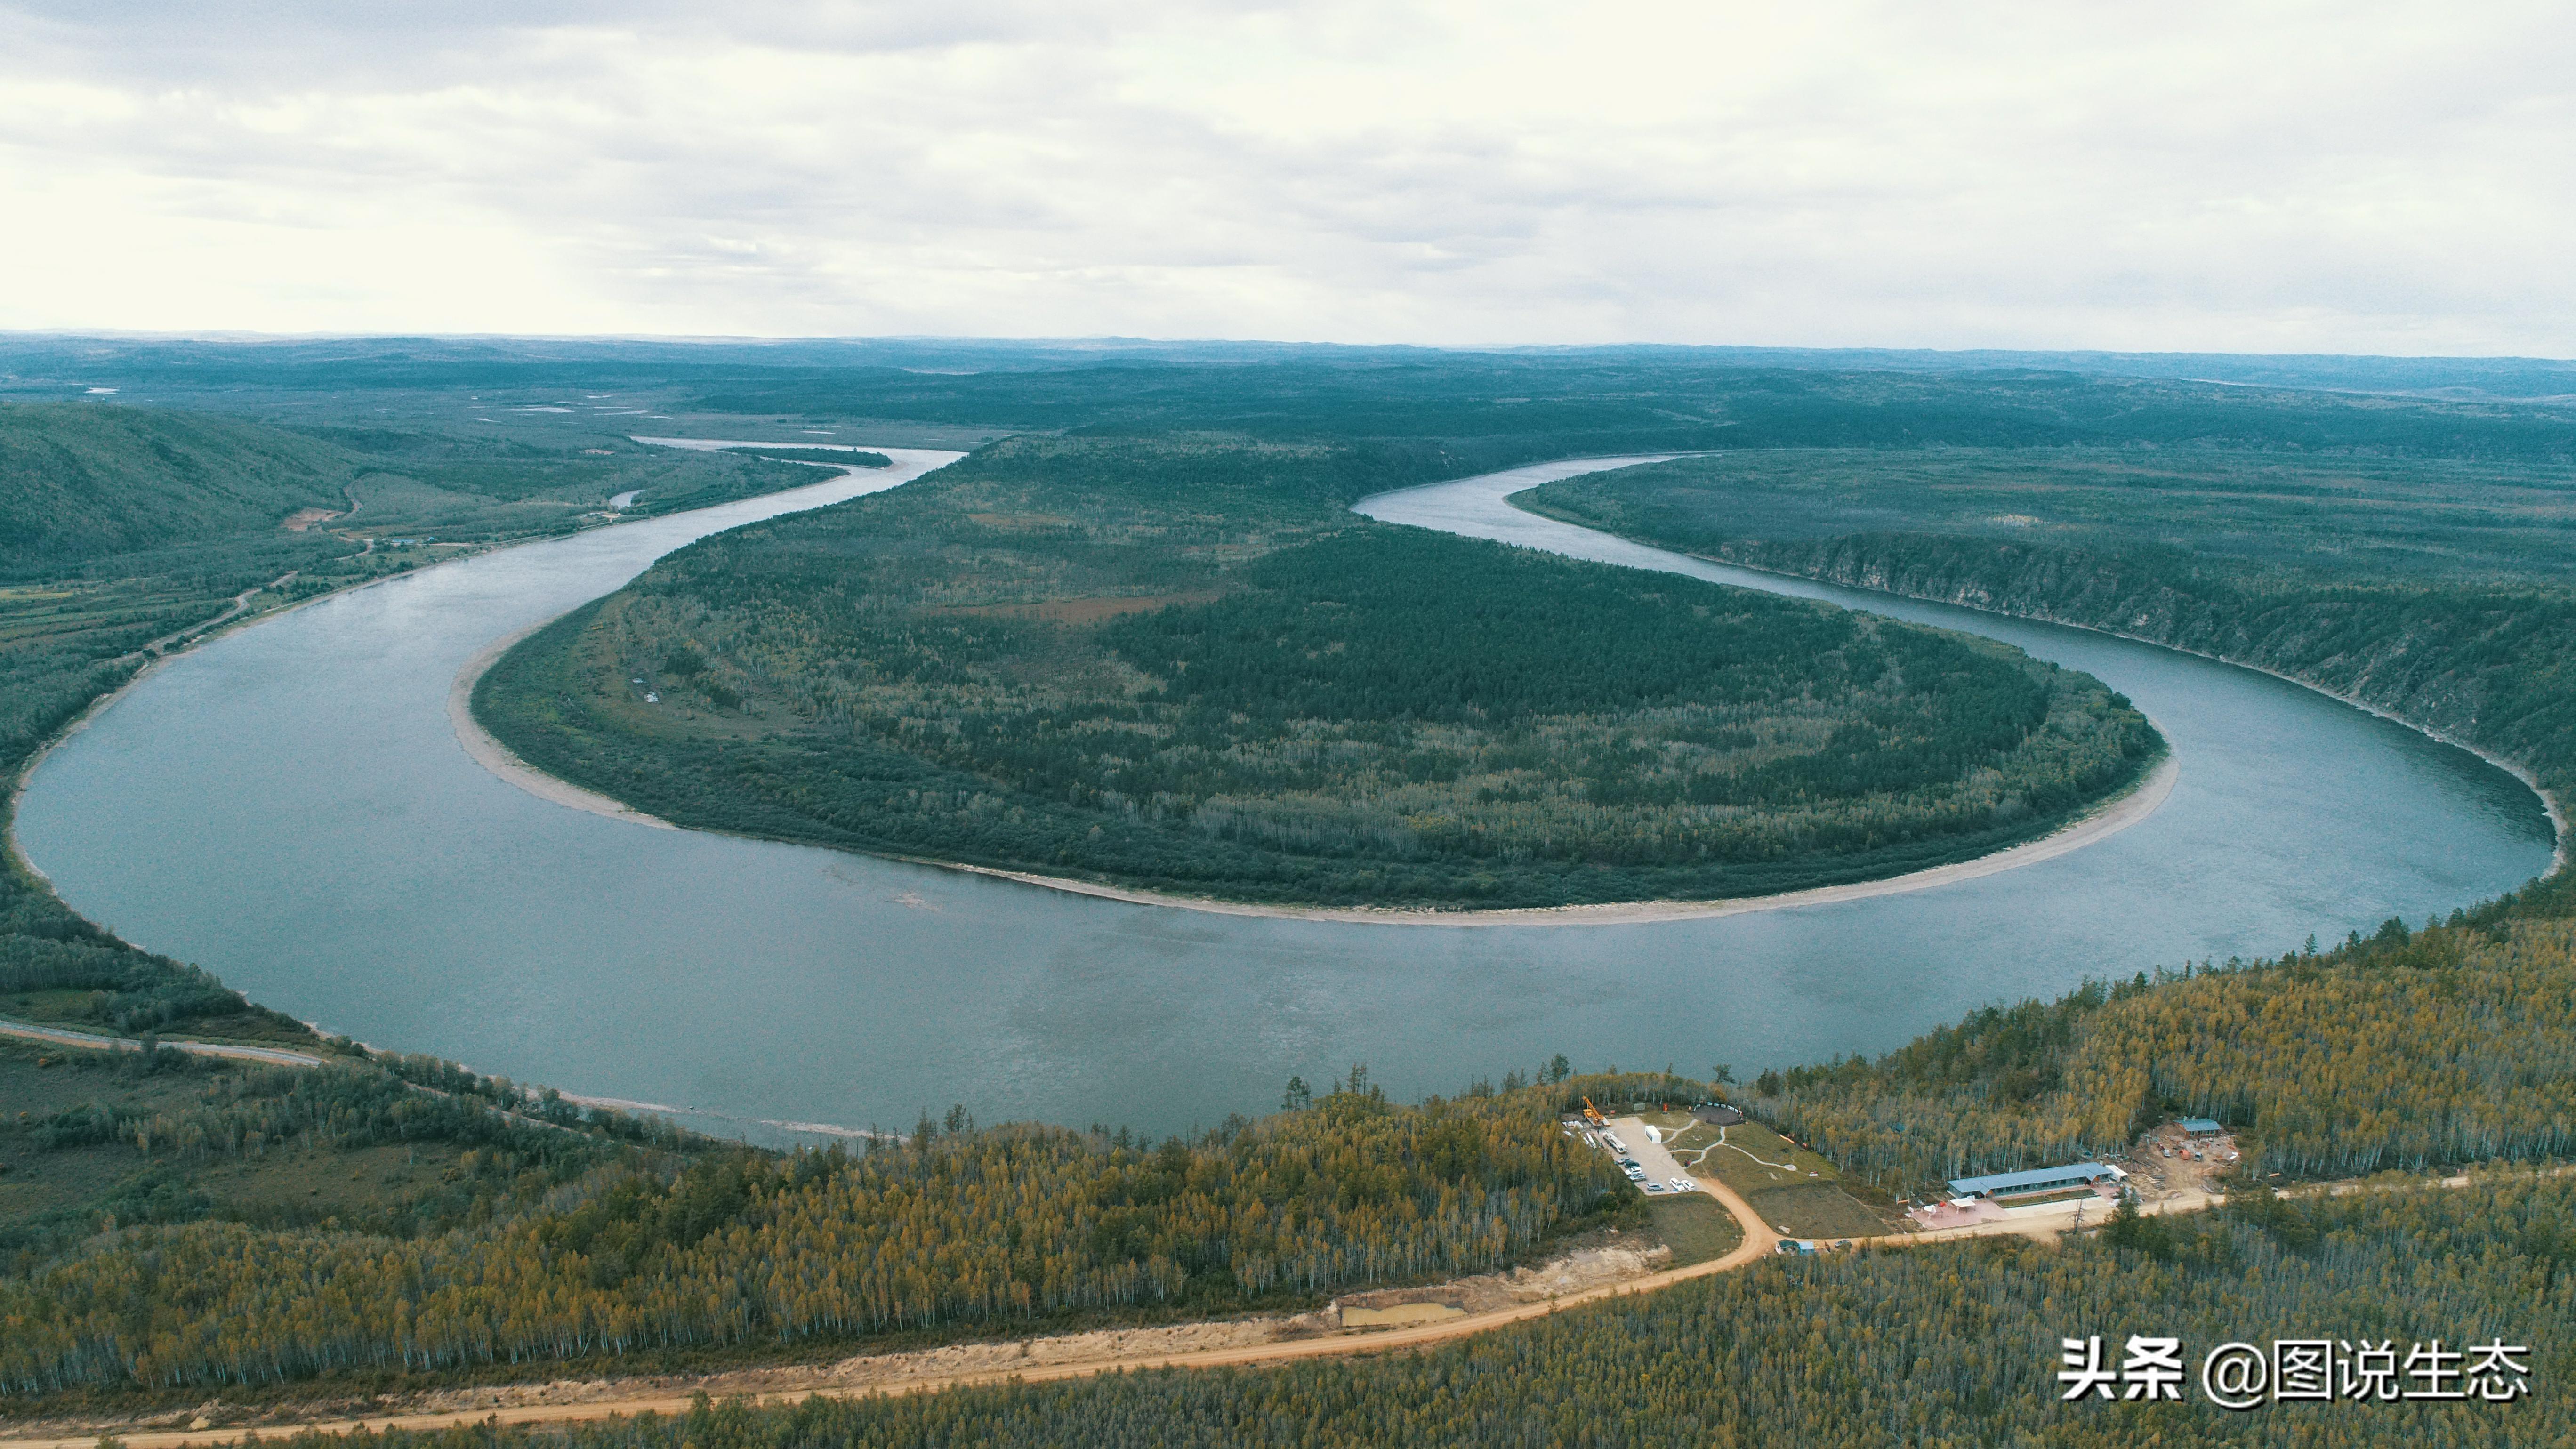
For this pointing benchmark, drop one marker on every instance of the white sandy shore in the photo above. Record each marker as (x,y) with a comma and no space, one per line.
(2108,819)
(494,756)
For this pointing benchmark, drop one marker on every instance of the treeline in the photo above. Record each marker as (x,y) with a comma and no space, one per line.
(1490,411)
(87,480)
(248,1111)
(1955,1345)
(1174,663)
(953,1228)
(840,458)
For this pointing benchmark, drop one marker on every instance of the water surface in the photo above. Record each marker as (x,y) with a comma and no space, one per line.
(287,807)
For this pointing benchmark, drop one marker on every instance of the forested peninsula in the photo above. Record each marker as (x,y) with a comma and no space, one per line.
(1177,663)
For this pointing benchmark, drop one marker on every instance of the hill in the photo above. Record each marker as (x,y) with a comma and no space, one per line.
(85,481)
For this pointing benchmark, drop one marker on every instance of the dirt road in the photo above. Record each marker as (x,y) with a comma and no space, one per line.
(240,602)
(89,1041)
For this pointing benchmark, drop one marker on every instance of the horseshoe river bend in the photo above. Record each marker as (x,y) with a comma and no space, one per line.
(289,807)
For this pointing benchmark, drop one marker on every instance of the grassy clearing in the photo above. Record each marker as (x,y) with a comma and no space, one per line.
(1815,1210)
(1794,1190)
(1695,1226)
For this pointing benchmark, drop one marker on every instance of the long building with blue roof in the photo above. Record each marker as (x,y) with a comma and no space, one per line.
(2035,1179)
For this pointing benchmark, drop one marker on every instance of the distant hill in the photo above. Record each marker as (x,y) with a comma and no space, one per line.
(81,481)
(84,482)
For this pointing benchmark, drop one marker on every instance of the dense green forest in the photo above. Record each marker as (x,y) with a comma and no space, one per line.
(86,480)
(2203,513)
(572,1251)
(1179,663)
(1956,1345)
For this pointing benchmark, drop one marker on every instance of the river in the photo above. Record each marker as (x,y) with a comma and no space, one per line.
(288,807)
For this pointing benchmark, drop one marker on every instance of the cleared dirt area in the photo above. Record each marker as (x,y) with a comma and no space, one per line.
(1815,1210)
(1597,1261)
(1081,611)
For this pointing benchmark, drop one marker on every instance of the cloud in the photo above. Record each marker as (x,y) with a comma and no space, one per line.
(2306,178)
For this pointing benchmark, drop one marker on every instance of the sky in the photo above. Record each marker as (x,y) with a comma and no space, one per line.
(2182,177)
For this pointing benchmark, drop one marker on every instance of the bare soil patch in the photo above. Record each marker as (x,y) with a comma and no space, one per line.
(1081,611)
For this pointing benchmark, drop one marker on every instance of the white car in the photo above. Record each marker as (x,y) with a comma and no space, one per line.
(1684,1184)
(1657,1187)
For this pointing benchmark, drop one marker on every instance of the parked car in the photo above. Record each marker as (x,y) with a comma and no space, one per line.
(1684,1184)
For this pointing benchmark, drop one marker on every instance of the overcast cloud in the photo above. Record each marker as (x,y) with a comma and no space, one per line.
(2222,177)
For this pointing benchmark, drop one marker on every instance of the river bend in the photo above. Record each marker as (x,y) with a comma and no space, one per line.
(288,807)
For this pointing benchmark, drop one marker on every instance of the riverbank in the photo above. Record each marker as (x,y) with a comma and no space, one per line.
(496,757)
(2102,822)
(2550,804)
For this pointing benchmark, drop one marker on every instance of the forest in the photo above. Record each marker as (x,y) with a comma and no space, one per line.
(370,1145)
(572,1248)
(1178,663)
(1957,1345)
(839,458)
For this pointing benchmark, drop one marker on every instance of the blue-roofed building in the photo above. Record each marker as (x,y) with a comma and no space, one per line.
(2035,1179)
(2199,1127)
